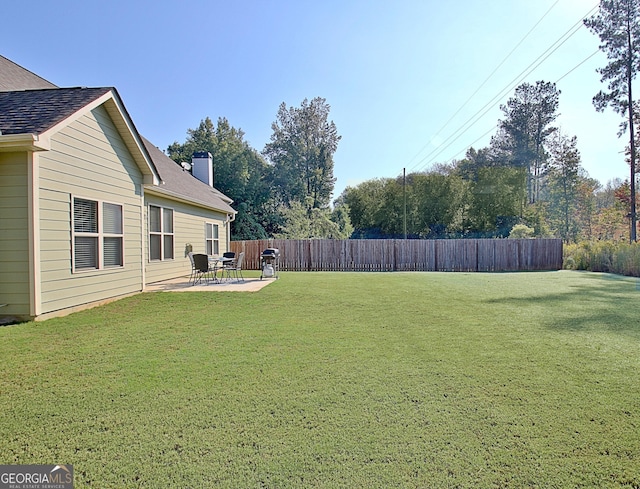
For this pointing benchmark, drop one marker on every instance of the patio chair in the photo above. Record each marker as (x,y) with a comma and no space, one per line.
(192,277)
(235,268)
(229,261)
(202,270)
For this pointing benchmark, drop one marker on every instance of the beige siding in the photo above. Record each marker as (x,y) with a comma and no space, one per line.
(88,159)
(189,228)
(14,234)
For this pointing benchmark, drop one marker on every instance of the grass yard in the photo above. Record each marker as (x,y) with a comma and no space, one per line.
(337,380)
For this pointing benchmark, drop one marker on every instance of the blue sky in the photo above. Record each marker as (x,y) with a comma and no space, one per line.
(402,77)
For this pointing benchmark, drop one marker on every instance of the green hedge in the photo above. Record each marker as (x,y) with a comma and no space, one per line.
(603,256)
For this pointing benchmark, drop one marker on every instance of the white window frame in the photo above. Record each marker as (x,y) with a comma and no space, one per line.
(100,235)
(212,244)
(163,233)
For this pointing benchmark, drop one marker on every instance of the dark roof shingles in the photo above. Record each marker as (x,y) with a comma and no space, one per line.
(182,183)
(15,77)
(36,111)
(30,104)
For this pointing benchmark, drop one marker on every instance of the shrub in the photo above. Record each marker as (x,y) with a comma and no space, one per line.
(520,231)
(603,256)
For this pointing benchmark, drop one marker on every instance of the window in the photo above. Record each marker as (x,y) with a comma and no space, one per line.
(160,233)
(98,239)
(112,239)
(211,239)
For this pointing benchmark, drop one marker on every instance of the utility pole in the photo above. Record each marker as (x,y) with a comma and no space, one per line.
(404,196)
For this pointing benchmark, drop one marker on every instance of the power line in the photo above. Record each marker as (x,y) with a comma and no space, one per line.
(490,105)
(526,72)
(483,111)
(486,80)
(578,65)
(495,126)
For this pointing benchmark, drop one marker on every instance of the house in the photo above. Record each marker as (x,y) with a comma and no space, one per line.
(91,211)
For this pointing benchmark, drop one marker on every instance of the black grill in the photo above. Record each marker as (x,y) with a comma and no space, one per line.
(273,252)
(269,263)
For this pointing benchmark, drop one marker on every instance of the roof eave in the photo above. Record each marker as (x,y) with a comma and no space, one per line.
(123,122)
(151,175)
(24,142)
(156,190)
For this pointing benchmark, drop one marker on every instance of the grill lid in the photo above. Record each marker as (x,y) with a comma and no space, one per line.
(271,252)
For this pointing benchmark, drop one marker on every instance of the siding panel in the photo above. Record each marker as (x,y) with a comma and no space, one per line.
(88,159)
(14,234)
(189,229)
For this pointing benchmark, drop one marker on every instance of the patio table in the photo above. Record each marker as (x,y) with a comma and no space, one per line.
(217,263)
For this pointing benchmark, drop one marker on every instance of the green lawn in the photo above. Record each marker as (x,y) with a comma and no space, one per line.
(337,380)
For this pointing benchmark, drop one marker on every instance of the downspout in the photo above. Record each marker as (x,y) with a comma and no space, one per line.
(144,239)
(228,221)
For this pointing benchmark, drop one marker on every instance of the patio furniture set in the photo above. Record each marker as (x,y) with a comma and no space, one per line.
(217,269)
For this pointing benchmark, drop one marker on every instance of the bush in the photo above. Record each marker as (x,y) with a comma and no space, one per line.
(520,231)
(603,256)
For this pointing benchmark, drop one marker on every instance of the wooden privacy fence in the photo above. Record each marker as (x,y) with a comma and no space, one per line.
(383,255)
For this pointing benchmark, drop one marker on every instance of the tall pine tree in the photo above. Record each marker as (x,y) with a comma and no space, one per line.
(617,23)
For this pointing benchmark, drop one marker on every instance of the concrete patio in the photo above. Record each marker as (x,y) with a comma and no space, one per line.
(181,284)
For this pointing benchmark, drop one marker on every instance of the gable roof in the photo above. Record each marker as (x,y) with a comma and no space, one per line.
(36,111)
(31,108)
(15,77)
(181,184)
(28,118)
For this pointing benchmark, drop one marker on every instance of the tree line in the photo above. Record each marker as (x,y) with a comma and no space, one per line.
(285,190)
(528,182)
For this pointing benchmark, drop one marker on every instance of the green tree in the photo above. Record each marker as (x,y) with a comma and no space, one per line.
(364,202)
(240,172)
(341,216)
(299,223)
(617,24)
(301,151)
(495,202)
(436,204)
(587,212)
(203,138)
(563,186)
(609,221)
(473,161)
(526,128)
